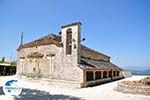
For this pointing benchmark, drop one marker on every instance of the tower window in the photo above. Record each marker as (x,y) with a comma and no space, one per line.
(69,41)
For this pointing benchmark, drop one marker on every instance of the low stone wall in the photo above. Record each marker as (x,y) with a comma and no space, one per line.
(116,78)
(100,81)
(133,89)
(127,74)
(96,82)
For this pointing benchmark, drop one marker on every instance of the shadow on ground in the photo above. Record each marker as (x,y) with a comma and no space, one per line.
(33,94)
(1,91)
(104,82)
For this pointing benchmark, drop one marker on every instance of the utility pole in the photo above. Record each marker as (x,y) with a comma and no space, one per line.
(21,38)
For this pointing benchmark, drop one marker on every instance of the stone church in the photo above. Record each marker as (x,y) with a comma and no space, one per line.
(63,57)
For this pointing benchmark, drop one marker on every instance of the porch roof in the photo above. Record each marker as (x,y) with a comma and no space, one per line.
(88,63)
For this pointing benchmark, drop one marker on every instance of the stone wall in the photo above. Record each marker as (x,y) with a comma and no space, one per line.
(71,61)
(65,66)
(126,74)
(133,89)
(25,67)
(62,67)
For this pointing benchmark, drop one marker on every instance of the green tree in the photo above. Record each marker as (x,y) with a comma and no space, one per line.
(3,59)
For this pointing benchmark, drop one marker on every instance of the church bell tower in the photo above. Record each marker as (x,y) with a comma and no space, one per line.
(71,35)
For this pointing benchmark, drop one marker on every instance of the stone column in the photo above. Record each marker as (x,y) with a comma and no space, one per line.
(94,75)
(84,76)
(112,73)
(101,74)
(116,74)
(107,74)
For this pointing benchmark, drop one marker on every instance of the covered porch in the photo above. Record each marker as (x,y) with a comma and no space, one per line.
(97,76)
(97,72)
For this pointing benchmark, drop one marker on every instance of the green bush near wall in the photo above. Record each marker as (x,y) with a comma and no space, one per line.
(7,70)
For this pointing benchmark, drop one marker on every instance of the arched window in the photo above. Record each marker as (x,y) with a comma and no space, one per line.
(69,41)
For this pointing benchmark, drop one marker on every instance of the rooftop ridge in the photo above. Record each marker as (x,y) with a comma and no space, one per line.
(45,40)
(72,24)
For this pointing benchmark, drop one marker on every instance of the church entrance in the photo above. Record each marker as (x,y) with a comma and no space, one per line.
(34,64)
(36,69)
(50,58)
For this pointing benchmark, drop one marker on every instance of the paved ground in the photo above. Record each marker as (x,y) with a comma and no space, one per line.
(42,90)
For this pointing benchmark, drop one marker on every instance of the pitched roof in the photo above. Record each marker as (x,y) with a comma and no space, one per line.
(88,63)
(92,50)
(46,40)
(53,39)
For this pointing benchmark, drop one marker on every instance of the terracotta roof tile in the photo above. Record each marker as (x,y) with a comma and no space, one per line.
(92,50)
(49,39)
(87,63)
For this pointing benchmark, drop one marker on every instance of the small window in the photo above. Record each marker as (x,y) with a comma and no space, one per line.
(22,58)
(89,76)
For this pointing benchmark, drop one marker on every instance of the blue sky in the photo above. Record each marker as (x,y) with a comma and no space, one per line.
(118,28)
